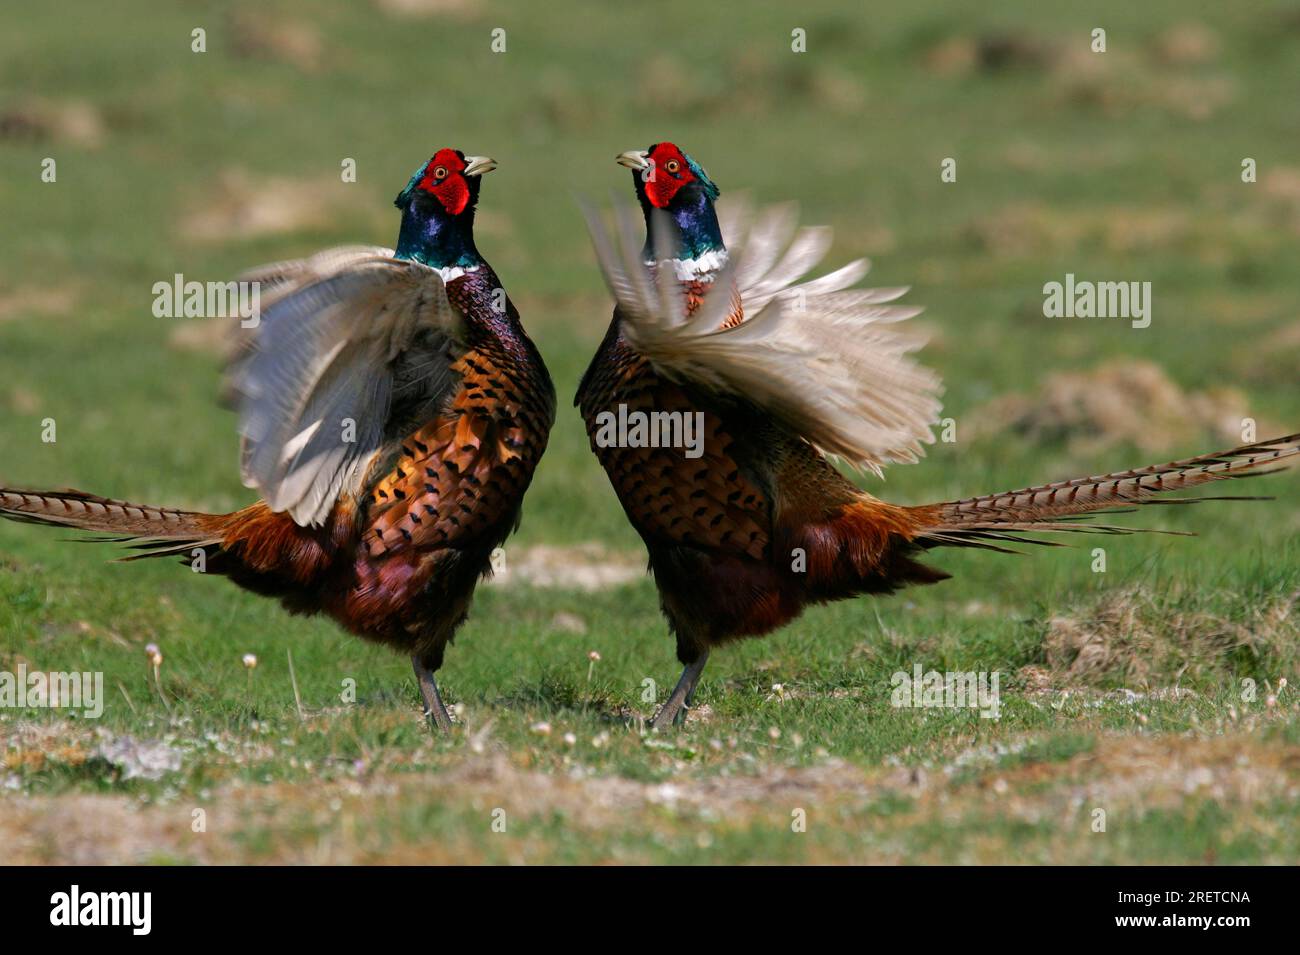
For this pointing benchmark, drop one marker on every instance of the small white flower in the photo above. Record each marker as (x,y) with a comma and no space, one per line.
(250,660)
(541,729)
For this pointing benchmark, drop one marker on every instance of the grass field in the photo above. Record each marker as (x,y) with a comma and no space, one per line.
(1152,693)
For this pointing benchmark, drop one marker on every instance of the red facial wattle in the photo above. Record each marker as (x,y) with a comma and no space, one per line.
(670,173)
(451,189)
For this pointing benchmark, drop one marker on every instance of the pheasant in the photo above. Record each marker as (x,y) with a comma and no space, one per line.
(391,411)
(749,523)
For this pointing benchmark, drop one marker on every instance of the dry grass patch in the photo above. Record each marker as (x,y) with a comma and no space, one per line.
(66,122)
(1132,637)
(259,37)
(242,206)
(1092,411)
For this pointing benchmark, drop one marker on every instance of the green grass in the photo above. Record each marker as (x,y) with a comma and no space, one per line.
(1106,167)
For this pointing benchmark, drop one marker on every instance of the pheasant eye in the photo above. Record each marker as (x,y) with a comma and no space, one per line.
(672,165)
(440,172)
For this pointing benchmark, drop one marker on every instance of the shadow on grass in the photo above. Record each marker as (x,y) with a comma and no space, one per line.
(559,694)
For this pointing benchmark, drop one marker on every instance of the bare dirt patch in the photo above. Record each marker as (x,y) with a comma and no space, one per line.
(588,567)
(376,819)
(203,336)
(35,300)
(418,9)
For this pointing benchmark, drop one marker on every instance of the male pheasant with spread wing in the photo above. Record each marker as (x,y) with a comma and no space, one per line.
(392,411)
(760,524)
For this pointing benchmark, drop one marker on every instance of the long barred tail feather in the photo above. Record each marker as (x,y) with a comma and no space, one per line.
(994,519)
(157,530)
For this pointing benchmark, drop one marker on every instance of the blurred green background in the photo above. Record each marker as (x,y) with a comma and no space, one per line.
(1122,165)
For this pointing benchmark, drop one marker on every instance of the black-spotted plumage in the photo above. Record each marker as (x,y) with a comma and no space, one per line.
(392,412)
(785,372)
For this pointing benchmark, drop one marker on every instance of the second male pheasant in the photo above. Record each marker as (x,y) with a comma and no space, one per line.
(750,525)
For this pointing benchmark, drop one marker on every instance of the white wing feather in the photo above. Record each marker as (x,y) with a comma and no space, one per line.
(829,361)
(315,381)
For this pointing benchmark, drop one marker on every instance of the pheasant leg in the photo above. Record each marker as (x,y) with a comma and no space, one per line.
(674,711)
(434,711)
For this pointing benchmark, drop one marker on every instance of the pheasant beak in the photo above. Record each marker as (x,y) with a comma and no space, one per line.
(477,165)
(637,159)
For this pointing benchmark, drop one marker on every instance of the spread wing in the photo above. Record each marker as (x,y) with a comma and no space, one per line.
(828,361)
(351,345)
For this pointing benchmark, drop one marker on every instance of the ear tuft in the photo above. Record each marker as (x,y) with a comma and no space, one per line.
(404,197)
(710,187)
